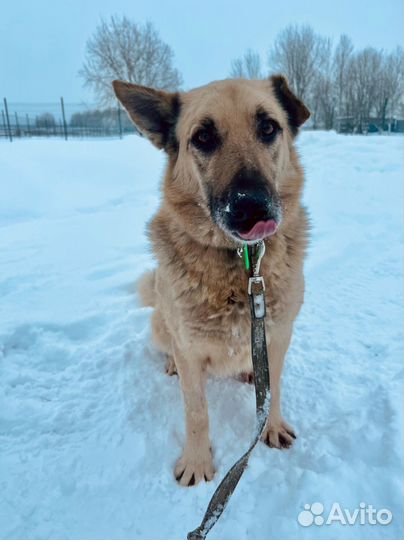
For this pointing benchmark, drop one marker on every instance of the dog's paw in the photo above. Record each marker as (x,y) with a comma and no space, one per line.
(278,434)
(171,368)
(192,467)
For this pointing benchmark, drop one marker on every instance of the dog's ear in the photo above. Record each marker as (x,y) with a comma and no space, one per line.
(154,112)
(297,111)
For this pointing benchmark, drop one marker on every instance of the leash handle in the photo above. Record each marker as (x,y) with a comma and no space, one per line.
(256,294)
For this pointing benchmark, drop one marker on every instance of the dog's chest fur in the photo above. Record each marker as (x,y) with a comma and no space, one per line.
(203,292)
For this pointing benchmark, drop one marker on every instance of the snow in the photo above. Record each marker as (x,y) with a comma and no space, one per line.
(90,425)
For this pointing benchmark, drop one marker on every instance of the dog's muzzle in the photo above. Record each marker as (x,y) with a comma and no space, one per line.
(248,210)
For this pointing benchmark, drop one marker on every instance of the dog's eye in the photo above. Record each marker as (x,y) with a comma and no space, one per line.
(203,136)
(267,129)
(206,139)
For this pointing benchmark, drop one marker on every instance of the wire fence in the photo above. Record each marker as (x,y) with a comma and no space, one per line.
(72,120)
(60,119)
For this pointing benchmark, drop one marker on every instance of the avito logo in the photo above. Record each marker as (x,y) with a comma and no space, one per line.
(364,514)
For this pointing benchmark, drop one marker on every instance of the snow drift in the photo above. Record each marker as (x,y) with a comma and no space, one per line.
(90,425)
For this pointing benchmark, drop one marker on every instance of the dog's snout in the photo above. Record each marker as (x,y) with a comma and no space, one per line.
(248,206)
(248,200)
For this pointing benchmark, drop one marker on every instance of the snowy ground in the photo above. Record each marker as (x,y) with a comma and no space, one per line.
(90,426)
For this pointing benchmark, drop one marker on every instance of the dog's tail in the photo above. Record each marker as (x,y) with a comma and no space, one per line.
(146,288)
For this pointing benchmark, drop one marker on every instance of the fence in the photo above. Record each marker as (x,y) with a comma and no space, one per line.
(71,120)
(348,124)
(65,120)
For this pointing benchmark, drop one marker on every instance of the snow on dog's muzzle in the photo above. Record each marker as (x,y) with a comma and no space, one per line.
(249,209)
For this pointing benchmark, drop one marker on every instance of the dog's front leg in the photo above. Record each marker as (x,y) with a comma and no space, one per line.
(277,433)
(196,463)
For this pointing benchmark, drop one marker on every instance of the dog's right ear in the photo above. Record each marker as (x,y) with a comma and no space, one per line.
(154,112)
(296,110)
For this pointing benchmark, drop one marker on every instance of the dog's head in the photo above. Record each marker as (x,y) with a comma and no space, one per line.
(230,149)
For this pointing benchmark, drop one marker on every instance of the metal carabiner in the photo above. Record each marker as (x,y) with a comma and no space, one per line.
(260,248)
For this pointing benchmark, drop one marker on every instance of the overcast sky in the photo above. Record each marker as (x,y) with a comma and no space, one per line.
(42,42)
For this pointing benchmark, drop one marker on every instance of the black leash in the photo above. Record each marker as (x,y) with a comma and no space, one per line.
(256,294)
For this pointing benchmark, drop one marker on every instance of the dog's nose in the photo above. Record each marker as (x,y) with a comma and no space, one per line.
(246,207)
(249,208)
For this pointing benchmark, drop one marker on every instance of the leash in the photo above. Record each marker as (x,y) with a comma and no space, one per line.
(256,294)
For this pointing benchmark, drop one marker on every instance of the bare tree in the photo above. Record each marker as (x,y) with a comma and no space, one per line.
(389,85)
(362,88)
(122,49)
(321,96)
(298,52)
(45,120)
(324,94)
(342,57)
(247,66)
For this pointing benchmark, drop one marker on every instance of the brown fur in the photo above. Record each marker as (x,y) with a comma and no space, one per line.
(201,319)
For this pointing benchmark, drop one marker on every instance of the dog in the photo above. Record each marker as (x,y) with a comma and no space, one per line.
(232,177)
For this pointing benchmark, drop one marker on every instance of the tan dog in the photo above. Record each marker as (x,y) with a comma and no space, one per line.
(232,176)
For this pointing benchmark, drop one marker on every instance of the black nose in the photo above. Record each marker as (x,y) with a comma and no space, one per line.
(246,207)
(250,198)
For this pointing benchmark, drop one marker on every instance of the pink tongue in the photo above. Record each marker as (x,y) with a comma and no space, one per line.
(260,230)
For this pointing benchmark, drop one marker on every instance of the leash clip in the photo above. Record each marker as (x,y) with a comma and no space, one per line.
(260,252)
(256,285)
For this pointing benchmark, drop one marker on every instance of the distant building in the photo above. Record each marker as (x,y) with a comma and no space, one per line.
(348,124)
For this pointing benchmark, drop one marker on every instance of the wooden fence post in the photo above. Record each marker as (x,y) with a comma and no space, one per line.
(64,118)
(4,123)
(17,126)
(10,135)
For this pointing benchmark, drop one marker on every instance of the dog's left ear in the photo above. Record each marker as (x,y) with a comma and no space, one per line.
(154,112)
(297,111)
